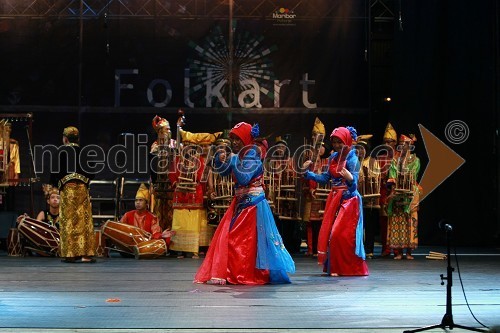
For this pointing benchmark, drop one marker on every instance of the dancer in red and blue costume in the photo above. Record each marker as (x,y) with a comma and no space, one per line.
(340,240)
(247,247)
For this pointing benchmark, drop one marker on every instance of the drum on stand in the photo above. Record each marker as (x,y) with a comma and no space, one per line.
(42,236)
(150,249)
(14,247)
(124,236)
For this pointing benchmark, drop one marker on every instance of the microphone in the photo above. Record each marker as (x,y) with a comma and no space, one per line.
(445,226)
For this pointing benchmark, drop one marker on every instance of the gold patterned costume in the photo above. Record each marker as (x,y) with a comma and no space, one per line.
(75,213)
(76,224)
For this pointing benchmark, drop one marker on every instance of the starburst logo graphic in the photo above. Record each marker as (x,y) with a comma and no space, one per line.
(211,72)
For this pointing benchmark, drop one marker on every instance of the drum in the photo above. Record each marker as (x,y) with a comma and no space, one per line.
(124,236)
(150,249)
(40,234)
(14,247)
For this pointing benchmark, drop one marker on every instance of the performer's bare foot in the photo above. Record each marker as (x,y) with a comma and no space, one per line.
(88,260)
(334,274)
(398,257)
(409,257)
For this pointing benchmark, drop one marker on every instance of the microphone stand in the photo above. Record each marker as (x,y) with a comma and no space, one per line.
(447,320)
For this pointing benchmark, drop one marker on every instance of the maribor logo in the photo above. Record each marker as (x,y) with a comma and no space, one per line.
(284,16)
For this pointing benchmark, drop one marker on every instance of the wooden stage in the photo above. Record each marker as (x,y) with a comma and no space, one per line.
(127,295)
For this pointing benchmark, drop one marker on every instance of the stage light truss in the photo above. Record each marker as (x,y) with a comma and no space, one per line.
(382,10)
(188,9)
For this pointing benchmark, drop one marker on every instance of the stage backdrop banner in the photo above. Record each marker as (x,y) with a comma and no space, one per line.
(289,54)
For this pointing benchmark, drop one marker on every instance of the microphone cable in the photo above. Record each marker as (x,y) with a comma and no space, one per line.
(463,290)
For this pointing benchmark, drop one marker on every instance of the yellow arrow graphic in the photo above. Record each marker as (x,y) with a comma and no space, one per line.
(442,162)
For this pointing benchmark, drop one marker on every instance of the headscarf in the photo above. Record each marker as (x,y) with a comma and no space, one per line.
(246,132)
(343,134)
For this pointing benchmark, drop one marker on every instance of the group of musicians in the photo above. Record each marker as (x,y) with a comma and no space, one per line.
(185,200)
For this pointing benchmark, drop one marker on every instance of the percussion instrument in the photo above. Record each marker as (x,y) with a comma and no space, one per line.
(405,176)
(405,183)
(287,198)
(124,236)
(188,171)
(369,187)
(224,192)
(269,187)
(40,235)
(14,247)
(319,203)
(319,165)
(150,249)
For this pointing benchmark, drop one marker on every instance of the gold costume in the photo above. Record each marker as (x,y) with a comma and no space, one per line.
(77,227)
(75,212)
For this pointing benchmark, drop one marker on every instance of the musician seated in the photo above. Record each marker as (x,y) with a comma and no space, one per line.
(142,218)
(49,216)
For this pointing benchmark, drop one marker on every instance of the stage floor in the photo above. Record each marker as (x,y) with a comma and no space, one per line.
(127,295)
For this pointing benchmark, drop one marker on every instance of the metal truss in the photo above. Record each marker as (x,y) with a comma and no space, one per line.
(382,10)
(188,9)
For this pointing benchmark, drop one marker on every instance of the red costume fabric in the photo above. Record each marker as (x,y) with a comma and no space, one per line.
(340,246)
(339,224)
(144,220)
(189,200)
(232,253)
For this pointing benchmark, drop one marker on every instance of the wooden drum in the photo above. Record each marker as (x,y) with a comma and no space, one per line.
(14,247)
(40,234)
(124,236)
(150,249)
